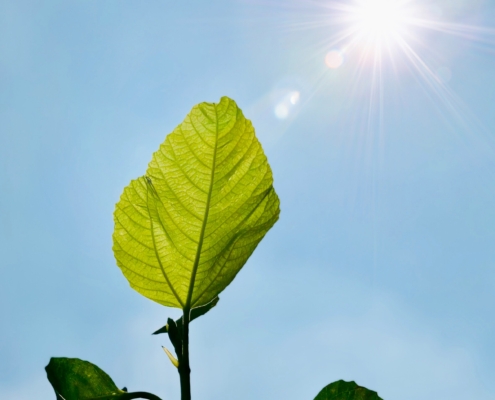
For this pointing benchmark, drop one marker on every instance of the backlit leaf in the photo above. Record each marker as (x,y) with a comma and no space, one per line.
(185,229)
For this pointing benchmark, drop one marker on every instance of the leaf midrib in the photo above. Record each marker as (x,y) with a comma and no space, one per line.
(150,185)
(205,219)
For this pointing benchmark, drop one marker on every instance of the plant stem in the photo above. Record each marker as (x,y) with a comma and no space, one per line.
(184,369)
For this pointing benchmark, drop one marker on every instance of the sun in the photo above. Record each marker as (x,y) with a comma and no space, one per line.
(379,22)
(379,19)
(369,46)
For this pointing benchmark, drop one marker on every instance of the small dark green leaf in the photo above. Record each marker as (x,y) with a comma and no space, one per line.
(75,379)
(195,313)
(173,334)
(342,390)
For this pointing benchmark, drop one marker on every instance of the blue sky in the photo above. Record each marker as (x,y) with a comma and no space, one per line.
(381,267)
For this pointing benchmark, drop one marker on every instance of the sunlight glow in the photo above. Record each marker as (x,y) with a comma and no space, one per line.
(380,19)
(374,42)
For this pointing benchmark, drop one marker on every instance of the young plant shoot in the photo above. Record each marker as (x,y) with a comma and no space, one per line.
(182,233)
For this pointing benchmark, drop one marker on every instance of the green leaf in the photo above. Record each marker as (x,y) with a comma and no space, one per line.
(75,379)
(195,313)
(175,337)
(342,390)
(183,231)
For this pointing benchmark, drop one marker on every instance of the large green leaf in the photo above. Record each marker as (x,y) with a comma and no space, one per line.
(185,229)
(75,379)
(342,390)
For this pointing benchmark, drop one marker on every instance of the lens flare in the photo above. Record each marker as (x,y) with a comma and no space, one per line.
(334,59)
(286,105)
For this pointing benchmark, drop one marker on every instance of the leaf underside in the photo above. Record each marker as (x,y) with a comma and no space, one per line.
(183,231)
(342,390)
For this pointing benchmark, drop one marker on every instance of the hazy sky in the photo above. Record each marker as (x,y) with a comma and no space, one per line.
(380,133)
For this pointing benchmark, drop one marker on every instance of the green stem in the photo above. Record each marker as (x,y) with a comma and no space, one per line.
(184,368)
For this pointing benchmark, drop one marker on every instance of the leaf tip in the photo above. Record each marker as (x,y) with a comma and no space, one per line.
(163,329)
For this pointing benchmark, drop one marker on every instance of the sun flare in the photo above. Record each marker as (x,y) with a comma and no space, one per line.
(379,23)
(379,20)
(374,43)
(371,47)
